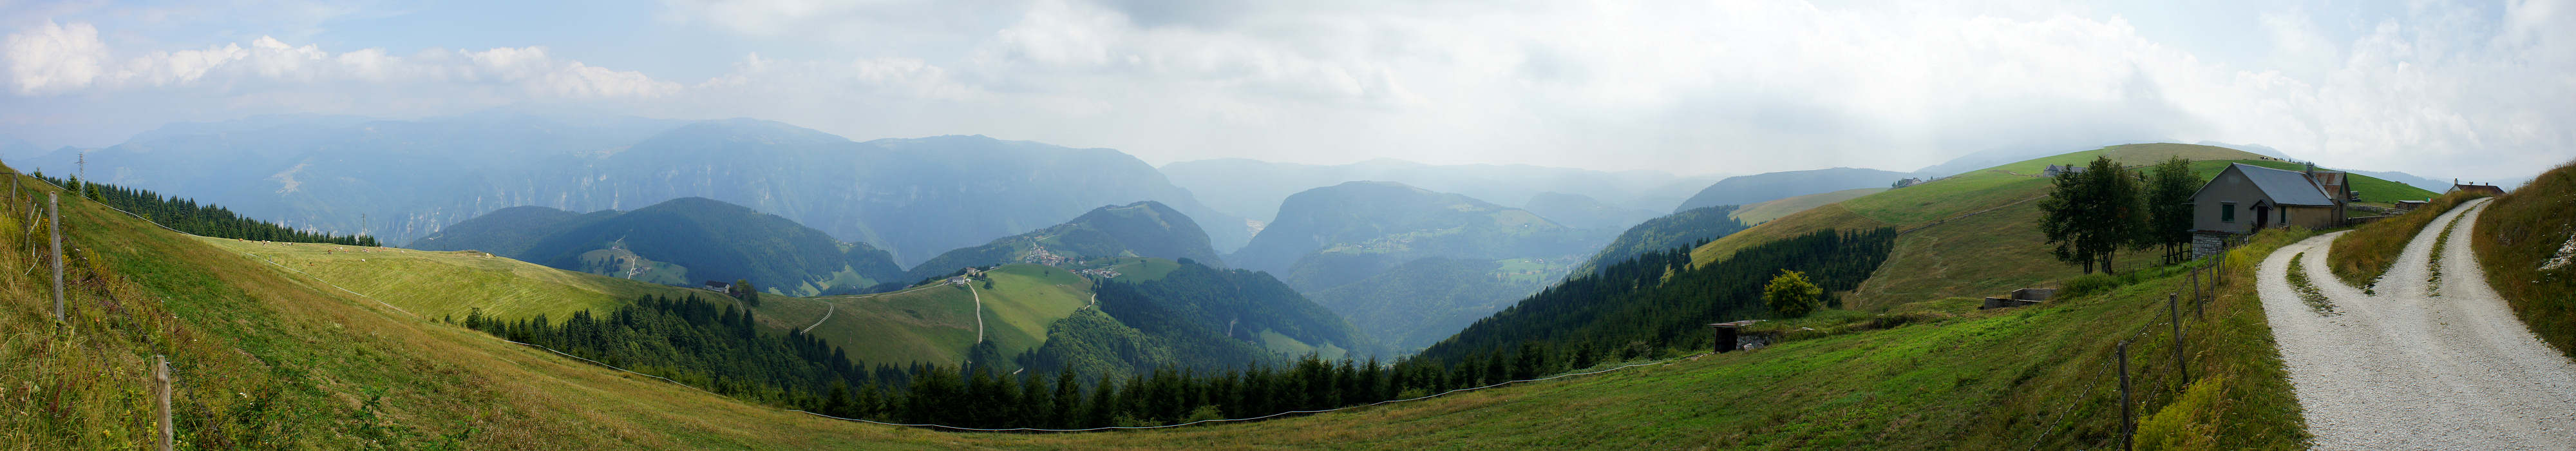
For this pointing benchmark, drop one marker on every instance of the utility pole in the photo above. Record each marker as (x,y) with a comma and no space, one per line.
(80,169)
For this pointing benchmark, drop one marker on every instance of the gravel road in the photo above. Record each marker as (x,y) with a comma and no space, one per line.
(2409,370)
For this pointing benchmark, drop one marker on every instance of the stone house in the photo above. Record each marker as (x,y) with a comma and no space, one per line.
(2247,198)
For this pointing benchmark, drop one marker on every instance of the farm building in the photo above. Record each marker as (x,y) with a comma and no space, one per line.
(2489,189)
(2246,198)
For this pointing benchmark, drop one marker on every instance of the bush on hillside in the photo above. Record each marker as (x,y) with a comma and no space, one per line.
(1790,295)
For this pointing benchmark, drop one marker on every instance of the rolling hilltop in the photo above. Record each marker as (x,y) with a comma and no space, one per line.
(1948,244)
(677,242)
(1141,229)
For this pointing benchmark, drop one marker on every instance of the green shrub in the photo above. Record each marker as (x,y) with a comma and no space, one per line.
(2090,284)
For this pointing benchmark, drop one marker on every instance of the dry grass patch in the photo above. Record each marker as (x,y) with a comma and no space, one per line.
(2361,256)
(2517,237)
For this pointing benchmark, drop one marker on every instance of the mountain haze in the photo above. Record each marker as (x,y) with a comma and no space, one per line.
(1748,189)
(1333,235)
(1141,229)
(1254,189)
(914,198)
(679,242)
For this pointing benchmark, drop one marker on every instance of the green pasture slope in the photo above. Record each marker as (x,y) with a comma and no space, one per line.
(936,323)
(439,284)
(273,358)
(1972,234)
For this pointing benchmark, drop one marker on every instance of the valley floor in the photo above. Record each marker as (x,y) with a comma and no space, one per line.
(2434,360)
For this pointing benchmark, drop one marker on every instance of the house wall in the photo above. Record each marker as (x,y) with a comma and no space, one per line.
(2309,217)
(2228,187)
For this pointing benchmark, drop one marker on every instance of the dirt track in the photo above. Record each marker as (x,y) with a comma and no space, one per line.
(2408,369)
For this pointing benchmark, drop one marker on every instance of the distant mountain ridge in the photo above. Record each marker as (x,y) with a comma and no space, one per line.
(679,242)
(1141,229)
(1749,189)
(1328,236)
(1584,212)
(1255,189)
(914,198)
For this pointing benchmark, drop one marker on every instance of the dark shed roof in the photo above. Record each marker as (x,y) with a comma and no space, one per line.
(2284,187)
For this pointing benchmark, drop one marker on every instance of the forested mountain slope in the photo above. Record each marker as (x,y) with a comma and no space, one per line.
(1678,229)
(1141,229)
(677,242)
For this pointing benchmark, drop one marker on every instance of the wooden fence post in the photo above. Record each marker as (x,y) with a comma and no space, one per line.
(161,374)
(2128,426)
(54,220)
(2176,313)
(2196,300)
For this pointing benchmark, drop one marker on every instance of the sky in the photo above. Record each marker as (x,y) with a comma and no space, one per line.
(2438,89)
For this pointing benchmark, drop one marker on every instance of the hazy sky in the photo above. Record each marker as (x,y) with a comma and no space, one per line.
(2434,88)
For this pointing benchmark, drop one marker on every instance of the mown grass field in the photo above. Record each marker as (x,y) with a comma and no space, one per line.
(1767,211)
(2520,234)
(269,358)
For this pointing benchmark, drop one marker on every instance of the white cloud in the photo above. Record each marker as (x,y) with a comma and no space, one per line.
(54,58)
(1689,86)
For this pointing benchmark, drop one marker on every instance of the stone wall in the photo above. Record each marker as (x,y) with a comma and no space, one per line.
(2205,244)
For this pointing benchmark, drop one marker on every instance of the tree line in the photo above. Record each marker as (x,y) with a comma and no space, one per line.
(186,215)
(2090,215)
(1629,310)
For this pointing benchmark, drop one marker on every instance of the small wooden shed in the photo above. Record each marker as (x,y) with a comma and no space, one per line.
(1727,332)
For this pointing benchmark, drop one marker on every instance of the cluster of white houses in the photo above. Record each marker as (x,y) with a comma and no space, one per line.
(2247,198)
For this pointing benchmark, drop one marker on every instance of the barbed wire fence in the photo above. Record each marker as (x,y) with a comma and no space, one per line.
(2158,379)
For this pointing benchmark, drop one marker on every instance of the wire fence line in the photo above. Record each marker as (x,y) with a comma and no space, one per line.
(2175,321)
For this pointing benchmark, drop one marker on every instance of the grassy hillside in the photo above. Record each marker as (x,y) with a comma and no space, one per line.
(2518,240)
(937,323)
(266,358)
(1953,242)
(1945,376)
(439,284)
(273,359)
(1767,211)
(2361,256)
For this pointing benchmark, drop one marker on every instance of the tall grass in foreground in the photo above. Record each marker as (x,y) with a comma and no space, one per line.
(2516,237)
(2360,257)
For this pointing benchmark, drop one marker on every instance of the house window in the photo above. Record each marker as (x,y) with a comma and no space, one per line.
(2227,212)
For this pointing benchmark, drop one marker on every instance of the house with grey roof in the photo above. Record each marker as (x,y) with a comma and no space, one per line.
(2246,198)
